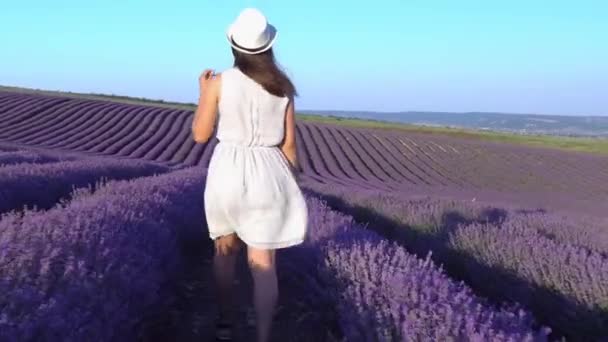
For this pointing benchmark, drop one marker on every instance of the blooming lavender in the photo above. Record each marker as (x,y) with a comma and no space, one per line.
(580,231)
(43,185)
(565,284)
(17,157)
(91,270)
(383,293)
(549,263)
(554,265)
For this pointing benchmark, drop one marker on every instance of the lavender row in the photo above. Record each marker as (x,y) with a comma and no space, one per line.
(564,285)
(382,159)
(92,270)
(7,149)
(134,225)
(17,157)
(43,185)
(556,267)
(383,293)
(135,131)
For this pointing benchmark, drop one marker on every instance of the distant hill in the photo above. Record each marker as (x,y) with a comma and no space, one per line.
(582,126)
(556,125)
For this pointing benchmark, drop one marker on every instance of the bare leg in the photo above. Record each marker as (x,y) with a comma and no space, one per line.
(224,261)
(263,270)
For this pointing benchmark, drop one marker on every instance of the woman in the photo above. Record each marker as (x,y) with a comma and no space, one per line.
(251,193)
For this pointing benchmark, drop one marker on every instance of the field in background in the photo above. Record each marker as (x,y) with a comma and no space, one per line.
(409,233)
(388,159)
(590,145)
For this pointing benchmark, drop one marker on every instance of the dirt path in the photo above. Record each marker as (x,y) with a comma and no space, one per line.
(300,315)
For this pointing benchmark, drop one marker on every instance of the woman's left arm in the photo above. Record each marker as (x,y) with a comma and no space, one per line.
(205,115)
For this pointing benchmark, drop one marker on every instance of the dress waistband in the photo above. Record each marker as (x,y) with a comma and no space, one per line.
(240,145)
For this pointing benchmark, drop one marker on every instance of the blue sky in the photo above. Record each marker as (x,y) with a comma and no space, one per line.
(546,57)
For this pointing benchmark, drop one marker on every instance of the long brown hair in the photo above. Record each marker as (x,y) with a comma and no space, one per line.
(263,68)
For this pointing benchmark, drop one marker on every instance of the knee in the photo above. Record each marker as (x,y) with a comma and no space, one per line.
(260,266)
(261,263)
(227,246)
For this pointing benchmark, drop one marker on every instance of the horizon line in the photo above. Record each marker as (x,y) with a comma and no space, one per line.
(309,111)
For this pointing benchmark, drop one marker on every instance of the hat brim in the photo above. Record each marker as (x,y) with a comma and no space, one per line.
(272,31)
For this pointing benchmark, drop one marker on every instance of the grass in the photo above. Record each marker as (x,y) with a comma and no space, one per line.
(579,144)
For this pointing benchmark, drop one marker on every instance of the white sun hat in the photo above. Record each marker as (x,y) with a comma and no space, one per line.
(251,33)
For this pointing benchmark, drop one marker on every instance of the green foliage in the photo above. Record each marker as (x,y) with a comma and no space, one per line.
(590,145)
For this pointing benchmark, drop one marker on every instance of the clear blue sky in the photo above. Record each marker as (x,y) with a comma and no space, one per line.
(523,56)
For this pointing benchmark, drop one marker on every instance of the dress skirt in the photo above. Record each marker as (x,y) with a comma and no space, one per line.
(251,191)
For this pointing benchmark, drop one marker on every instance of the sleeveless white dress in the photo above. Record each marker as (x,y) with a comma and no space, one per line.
(250,189)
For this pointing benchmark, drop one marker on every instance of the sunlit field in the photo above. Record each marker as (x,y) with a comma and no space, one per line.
(415,233)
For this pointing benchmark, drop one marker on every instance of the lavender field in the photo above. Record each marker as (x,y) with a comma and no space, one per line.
(412,236)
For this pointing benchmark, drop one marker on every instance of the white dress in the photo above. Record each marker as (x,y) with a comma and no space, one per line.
(250,189)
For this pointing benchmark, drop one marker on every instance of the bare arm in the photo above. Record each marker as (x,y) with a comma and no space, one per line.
(288,145)
(205,115)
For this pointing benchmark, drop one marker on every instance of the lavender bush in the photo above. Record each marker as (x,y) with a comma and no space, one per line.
(580,232)
(549,264)
(382,293)
(7,148)
(90,270)
(566,284)
(43,185)
(10,158)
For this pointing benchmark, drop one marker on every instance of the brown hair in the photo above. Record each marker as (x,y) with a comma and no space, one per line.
(263,68)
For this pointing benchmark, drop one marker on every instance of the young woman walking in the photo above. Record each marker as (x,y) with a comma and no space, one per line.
(251,194)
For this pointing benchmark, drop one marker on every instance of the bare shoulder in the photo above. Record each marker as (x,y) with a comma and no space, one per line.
(290,102)
(215,82)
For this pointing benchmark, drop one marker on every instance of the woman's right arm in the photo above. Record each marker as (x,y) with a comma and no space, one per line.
(288,146)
